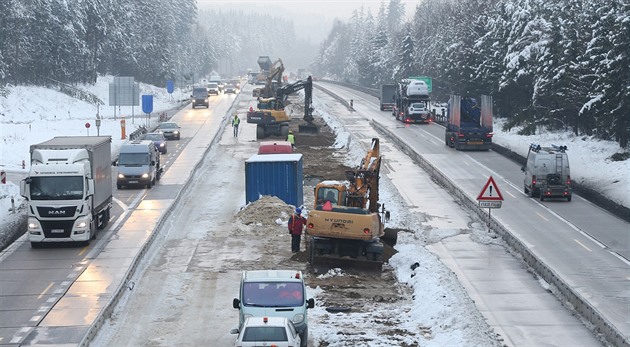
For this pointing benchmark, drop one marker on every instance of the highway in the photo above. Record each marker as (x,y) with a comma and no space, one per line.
(54,295)
(583,246)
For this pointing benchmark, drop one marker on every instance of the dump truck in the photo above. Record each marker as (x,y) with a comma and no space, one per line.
(68,189)
(346,224)
(469,124)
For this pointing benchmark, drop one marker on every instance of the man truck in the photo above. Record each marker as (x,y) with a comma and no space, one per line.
(68,189)
(469,123)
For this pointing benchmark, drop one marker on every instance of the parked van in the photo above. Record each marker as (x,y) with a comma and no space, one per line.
(138,164)
(275,293)
(547,173)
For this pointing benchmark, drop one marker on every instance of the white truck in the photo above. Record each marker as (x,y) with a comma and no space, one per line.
(68,189)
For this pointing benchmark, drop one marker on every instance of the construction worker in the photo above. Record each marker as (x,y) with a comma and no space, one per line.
(235,122)
(296,225)
(291,139)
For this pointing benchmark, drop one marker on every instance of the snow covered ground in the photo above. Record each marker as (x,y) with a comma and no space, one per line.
(451,320)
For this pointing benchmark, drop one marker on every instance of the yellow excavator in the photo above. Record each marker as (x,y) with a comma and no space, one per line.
(272,82)
(270,117)
(346,224)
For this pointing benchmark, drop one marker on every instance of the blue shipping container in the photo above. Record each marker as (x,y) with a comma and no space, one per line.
(277,175)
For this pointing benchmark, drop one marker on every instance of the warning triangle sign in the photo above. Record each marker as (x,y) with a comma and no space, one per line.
(490,192)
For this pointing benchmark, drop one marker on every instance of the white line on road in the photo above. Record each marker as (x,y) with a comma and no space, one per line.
(581,244)
(543,217)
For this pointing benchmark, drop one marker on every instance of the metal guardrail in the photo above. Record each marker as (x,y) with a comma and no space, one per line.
(575,300)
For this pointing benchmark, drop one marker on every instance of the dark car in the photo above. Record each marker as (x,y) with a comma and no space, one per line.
(229,89)
(158,139)
(170,130)
(200,97)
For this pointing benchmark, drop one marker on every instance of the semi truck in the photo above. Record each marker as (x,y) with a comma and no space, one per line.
(469,124)
(411,102)
(388,96)
(68,189)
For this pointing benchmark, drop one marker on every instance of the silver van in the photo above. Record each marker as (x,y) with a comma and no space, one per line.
(138,164)
(275,293)
(547,173)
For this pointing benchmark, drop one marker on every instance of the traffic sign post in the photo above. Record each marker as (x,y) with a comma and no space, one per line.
(490,197)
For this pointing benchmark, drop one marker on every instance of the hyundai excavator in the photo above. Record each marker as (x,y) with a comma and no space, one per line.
(345,226)
(272,81)
(270,117)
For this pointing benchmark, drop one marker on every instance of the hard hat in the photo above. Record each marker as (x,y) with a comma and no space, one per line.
(290,132)
(298,210)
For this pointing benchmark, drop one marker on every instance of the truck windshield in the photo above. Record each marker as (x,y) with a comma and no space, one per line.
(200,93)
(57,188)
(273,294)
(130,159)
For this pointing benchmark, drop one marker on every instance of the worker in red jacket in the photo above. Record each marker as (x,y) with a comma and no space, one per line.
(296,225)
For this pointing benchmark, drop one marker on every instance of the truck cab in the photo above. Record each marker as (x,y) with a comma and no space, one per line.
(275,293)
(138,164)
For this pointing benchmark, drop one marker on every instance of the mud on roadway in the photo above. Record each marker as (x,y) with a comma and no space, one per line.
(378,297)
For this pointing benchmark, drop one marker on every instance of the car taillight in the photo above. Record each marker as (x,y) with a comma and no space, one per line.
(568,180)
(533,180)
(460,134)
(489,135)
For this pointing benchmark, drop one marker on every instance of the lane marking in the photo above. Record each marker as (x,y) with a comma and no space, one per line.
(35,318)
(83,250)
(52,299)
(583,246)
(45,290)
(543,217)
(510,194)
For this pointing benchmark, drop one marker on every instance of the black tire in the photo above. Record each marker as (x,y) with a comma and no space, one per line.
(150,184)
(304,337)
(119,186)
(568,198)
(525,190)
(36,245)
(260,132)
(542,197)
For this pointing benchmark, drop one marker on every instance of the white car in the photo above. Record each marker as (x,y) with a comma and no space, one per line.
(267,331)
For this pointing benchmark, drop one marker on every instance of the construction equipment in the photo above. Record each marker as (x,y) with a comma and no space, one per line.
(273,80)
(346,224)
(270,117)
(264,62)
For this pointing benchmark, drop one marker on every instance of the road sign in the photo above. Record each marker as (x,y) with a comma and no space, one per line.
(490,204)
(490,192)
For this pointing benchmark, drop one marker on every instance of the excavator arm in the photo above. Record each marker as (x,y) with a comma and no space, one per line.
(307,85)
(275,73)
(364,181)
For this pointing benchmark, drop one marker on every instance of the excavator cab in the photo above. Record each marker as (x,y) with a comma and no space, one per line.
(330,191)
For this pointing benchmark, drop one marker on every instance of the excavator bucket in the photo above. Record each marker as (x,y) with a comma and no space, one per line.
(308,128)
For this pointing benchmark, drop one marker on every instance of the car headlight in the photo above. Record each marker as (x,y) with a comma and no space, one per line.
(175,132)
(145,175)
(121,175)
(162,144)
(81,225)
(298,318)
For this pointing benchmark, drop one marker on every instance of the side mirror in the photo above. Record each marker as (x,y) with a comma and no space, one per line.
(236,303)
(90,188)
(523,168)
(152,162)
(23,188)
(115,162)
(310,303)
(234,331)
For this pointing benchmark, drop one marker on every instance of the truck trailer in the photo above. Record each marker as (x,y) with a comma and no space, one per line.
(68,189)
(388,96)
(469,123)
(411,102)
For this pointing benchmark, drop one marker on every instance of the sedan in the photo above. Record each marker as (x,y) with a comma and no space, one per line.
(158,139)
(170,130)
(229,89)
(267,331)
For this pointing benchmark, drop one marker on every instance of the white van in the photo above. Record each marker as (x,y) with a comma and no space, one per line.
(275,293)
(138,164)
(547,173)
